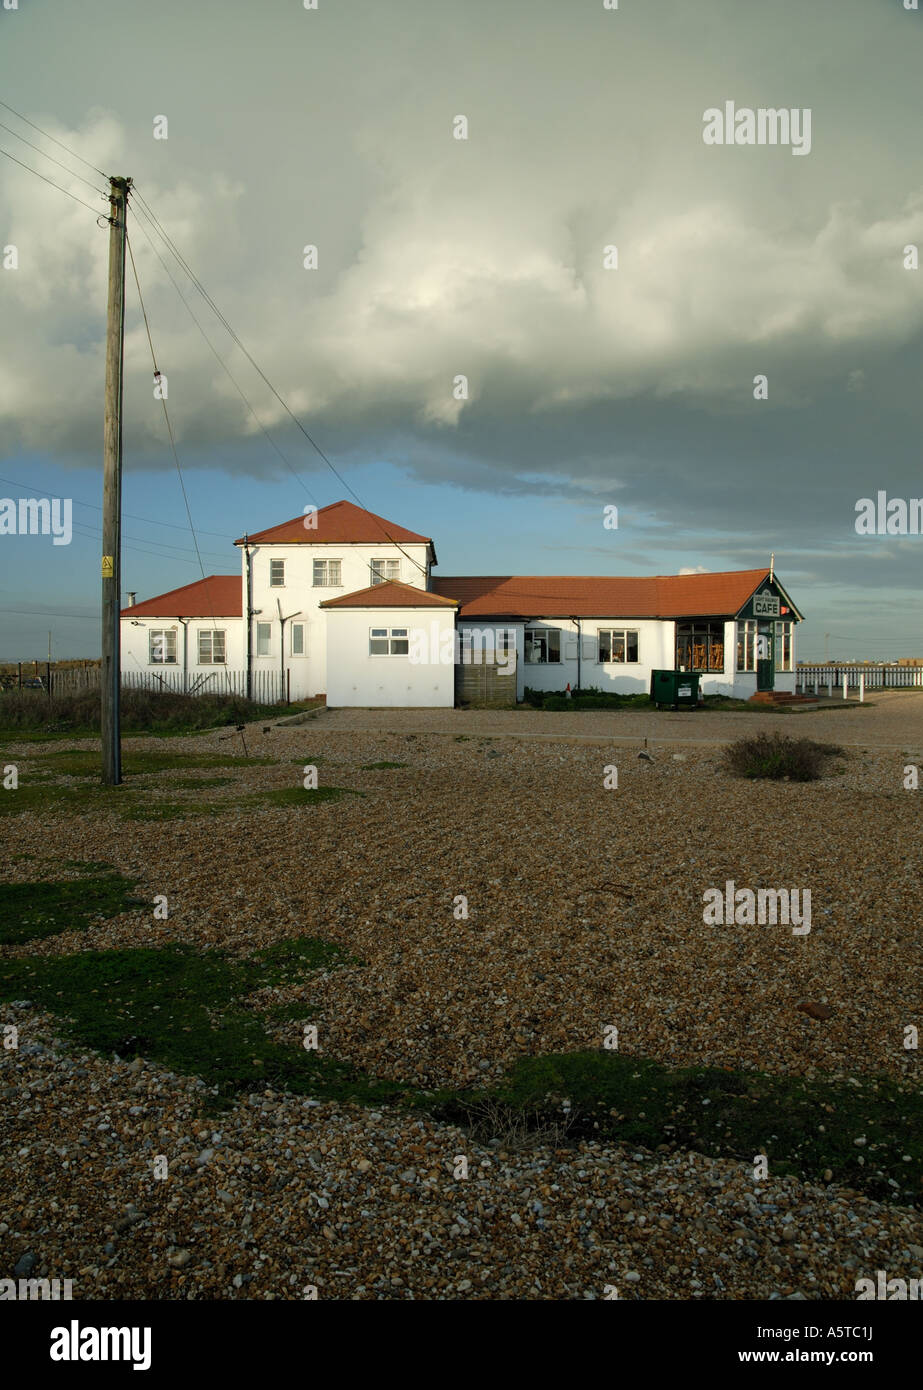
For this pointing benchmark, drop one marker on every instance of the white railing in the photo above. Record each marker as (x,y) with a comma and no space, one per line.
(883,676)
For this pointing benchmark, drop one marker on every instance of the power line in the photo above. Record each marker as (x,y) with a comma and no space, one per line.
(151,522)
(218,356)
(95,211)
(163,402)
(39,150)
(53,138)
(213,306)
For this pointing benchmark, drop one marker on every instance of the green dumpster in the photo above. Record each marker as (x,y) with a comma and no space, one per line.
(675,689)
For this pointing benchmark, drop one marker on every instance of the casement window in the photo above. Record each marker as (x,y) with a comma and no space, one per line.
(388,641)
(328,574)
(383,570)
(543,646)
(700,646)
(276,574)
(299,645)
(212,647)
(162,647)
(618,644)
(263,639)
(746,645)
(784,648)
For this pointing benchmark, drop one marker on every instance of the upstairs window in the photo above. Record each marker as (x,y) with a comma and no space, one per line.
(328,574)
(384,570)
(212,648)
(388,641)
(543,646)
(276,574)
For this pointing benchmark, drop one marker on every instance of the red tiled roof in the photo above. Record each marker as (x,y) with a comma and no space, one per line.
(218,596)
(342,523)
(391,594)
(569,596)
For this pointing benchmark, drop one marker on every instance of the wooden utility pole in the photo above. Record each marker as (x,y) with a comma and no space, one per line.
(110,683)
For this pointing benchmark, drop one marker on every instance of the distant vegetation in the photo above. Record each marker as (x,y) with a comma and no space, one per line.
(34,714)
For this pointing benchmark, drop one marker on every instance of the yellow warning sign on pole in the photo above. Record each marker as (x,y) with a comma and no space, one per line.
(107,567)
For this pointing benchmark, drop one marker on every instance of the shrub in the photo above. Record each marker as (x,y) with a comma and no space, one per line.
(780,757)
(141,711)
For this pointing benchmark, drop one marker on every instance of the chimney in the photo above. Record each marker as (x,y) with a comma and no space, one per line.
(131,600)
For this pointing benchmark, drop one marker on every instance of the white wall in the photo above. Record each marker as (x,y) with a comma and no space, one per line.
(655,651)
(299,596)
(136,647)
(357,678)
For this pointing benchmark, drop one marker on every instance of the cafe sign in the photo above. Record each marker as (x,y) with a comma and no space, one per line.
(766,605)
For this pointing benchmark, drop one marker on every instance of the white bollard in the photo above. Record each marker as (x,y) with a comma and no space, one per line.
(830,685)
(861,687)
(845,679)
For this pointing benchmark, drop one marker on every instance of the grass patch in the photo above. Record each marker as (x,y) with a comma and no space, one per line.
(379,767)
(35,910)
(87,762)
(304,796)
(777,756)
(735,1114)
(184,1009)
(29,715)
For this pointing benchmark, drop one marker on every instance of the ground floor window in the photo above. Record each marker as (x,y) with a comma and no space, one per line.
(784,646)
(162,646)
(211,648)
(700,646)
(388,641)
(618,644)
(298,642)
(263,638)
(543,646)
(746,646)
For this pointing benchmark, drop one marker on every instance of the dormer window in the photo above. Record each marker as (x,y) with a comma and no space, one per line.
(385,570)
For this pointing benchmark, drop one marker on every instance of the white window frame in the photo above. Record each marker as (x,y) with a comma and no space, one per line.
(784,646)
(746,633)
(393,637)
(267,628)
(303,629)
(618,634)
(275,583)
(168,638)
(379,569)
(326,582)
(209,635)
(543,634)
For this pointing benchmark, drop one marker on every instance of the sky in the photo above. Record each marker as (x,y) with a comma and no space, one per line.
(588,384)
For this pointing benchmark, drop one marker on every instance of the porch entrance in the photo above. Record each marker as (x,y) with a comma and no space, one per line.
(765,657)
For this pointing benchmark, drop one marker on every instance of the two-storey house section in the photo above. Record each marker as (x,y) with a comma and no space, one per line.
(288,571)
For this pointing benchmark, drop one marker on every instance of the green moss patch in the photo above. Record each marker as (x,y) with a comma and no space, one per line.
(34,910)
(732,1114)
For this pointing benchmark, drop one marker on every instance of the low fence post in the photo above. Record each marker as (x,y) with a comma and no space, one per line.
(861,687)
(845,679)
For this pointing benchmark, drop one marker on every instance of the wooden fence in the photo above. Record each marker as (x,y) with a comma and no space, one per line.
(876,677)
(266,687)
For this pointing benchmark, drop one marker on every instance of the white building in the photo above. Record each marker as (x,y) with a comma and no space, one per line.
(343,604)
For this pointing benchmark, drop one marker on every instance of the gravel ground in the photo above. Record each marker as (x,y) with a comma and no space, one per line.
(584,910)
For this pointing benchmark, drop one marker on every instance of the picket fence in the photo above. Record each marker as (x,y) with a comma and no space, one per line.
(881,677)
(266,687)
